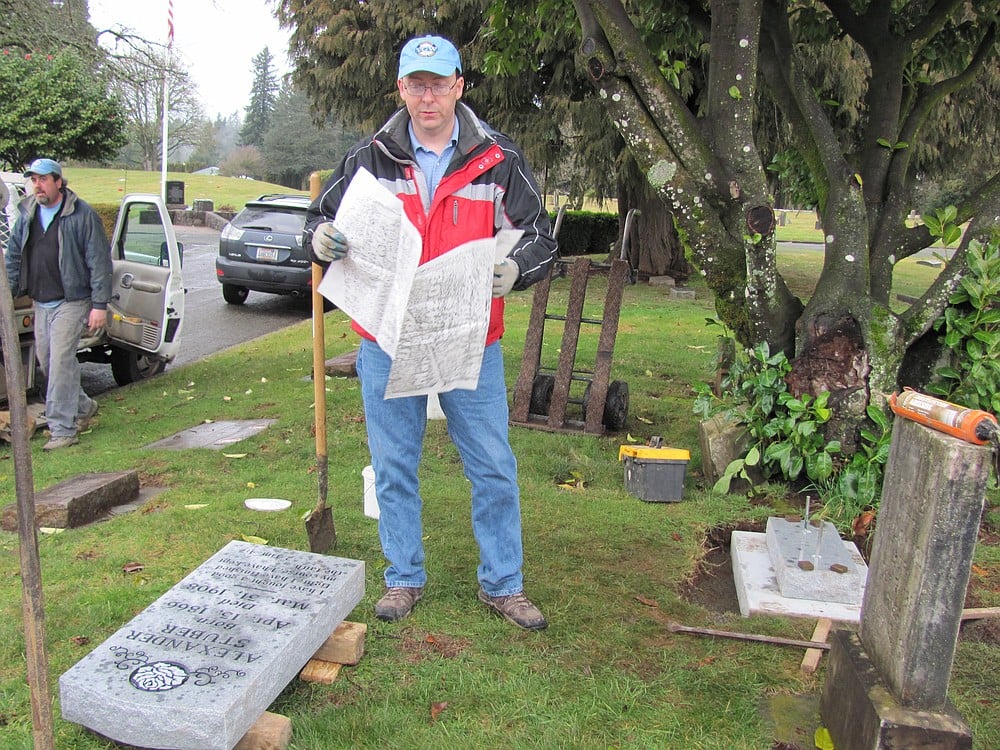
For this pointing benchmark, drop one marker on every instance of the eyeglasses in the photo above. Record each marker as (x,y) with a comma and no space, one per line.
(438,89)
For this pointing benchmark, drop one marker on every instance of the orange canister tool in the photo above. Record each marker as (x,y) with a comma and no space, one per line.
(972,425)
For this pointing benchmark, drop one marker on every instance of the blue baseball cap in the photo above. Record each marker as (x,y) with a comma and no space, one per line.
(44,166)
(433,54)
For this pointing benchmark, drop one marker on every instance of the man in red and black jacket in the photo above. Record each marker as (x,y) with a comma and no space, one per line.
(458,180)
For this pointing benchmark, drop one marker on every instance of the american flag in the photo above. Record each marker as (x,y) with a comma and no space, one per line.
(170,23)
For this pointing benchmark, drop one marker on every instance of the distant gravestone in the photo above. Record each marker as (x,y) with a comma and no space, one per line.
(195,669)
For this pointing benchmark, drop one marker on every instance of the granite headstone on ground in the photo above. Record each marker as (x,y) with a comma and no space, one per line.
(197,667)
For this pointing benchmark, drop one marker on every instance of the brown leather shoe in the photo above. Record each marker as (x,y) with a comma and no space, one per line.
(397,602)
(517,608)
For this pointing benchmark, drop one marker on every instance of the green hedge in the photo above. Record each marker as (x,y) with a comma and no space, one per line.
(109,215)
(587,233)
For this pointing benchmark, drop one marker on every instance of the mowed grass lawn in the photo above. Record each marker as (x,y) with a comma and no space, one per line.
(611,571)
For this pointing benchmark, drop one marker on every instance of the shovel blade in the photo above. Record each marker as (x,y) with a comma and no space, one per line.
(320,530)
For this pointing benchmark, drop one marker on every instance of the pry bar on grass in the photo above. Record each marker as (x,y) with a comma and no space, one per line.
(677,628)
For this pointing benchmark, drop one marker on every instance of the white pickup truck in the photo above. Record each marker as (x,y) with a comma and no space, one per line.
(146,310)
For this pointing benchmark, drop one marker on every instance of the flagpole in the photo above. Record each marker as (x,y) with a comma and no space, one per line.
(166,99)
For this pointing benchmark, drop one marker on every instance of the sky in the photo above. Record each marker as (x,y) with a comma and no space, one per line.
(215,39)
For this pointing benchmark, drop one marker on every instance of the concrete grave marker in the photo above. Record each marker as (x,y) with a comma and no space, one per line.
(887,684)
(197,667)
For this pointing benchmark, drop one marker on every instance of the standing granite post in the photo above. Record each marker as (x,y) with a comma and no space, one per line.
(888,684)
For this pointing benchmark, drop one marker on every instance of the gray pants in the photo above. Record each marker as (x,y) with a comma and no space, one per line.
(57,337)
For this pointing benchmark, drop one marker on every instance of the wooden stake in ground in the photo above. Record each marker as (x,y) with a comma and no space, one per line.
(24,483)
(319,523)
(810,662)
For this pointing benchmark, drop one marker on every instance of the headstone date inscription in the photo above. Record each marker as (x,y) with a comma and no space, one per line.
(197,667)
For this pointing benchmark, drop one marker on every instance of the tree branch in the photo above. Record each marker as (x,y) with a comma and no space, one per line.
(930,24)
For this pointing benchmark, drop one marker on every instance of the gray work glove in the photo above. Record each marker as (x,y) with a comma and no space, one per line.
(328,243)
(505,275)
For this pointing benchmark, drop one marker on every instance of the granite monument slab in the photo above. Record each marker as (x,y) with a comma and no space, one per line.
(197,667)
(810,562)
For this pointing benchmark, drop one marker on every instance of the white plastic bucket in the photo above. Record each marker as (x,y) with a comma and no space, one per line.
(371,500)
(434,410)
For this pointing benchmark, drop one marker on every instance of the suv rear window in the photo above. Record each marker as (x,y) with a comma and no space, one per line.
(271,219)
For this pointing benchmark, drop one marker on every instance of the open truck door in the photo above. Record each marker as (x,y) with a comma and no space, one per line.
(146,309)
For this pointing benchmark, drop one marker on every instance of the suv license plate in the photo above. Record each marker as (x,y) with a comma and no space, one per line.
(267,253)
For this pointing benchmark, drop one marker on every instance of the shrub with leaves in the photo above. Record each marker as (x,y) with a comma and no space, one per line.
(971,332)
(851,495)
(786,434)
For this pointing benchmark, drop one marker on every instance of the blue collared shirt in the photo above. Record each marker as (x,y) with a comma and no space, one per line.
(431,164)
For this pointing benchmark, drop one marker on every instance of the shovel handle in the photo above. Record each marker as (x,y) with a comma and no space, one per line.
(319,361)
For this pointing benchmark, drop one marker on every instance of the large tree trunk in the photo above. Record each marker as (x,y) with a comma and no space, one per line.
(654,249)
(713,185)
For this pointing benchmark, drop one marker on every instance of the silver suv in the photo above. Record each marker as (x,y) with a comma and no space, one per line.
(261,249)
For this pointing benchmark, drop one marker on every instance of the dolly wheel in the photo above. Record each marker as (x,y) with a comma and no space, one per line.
(541,394)
(615,405)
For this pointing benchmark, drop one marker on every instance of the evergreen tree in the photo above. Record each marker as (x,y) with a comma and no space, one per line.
(294,145)
(54,106)
(263,99)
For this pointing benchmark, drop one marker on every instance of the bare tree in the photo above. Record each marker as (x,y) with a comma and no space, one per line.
(139,83)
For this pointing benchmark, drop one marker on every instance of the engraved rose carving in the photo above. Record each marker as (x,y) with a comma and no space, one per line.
(158,676)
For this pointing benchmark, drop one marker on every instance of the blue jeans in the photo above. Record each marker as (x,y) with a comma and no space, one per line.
(477,424)
(57,337)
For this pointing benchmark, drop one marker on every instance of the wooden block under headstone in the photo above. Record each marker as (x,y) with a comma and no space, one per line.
(269,732)
(200,665)
(79,500)
(346,645)
(323,672)
(928,522)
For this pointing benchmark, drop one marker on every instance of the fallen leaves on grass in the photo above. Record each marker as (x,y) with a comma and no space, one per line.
(132,567)
(647,602)
(574,481)
(253,539)
(436,709)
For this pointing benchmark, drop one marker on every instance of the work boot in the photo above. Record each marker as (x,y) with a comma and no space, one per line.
(397,602)
(55,443)
(517,608)
(83,420)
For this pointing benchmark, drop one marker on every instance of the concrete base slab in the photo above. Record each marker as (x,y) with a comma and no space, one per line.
(860,711)
(757,585)
(213,435)
(678,293)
